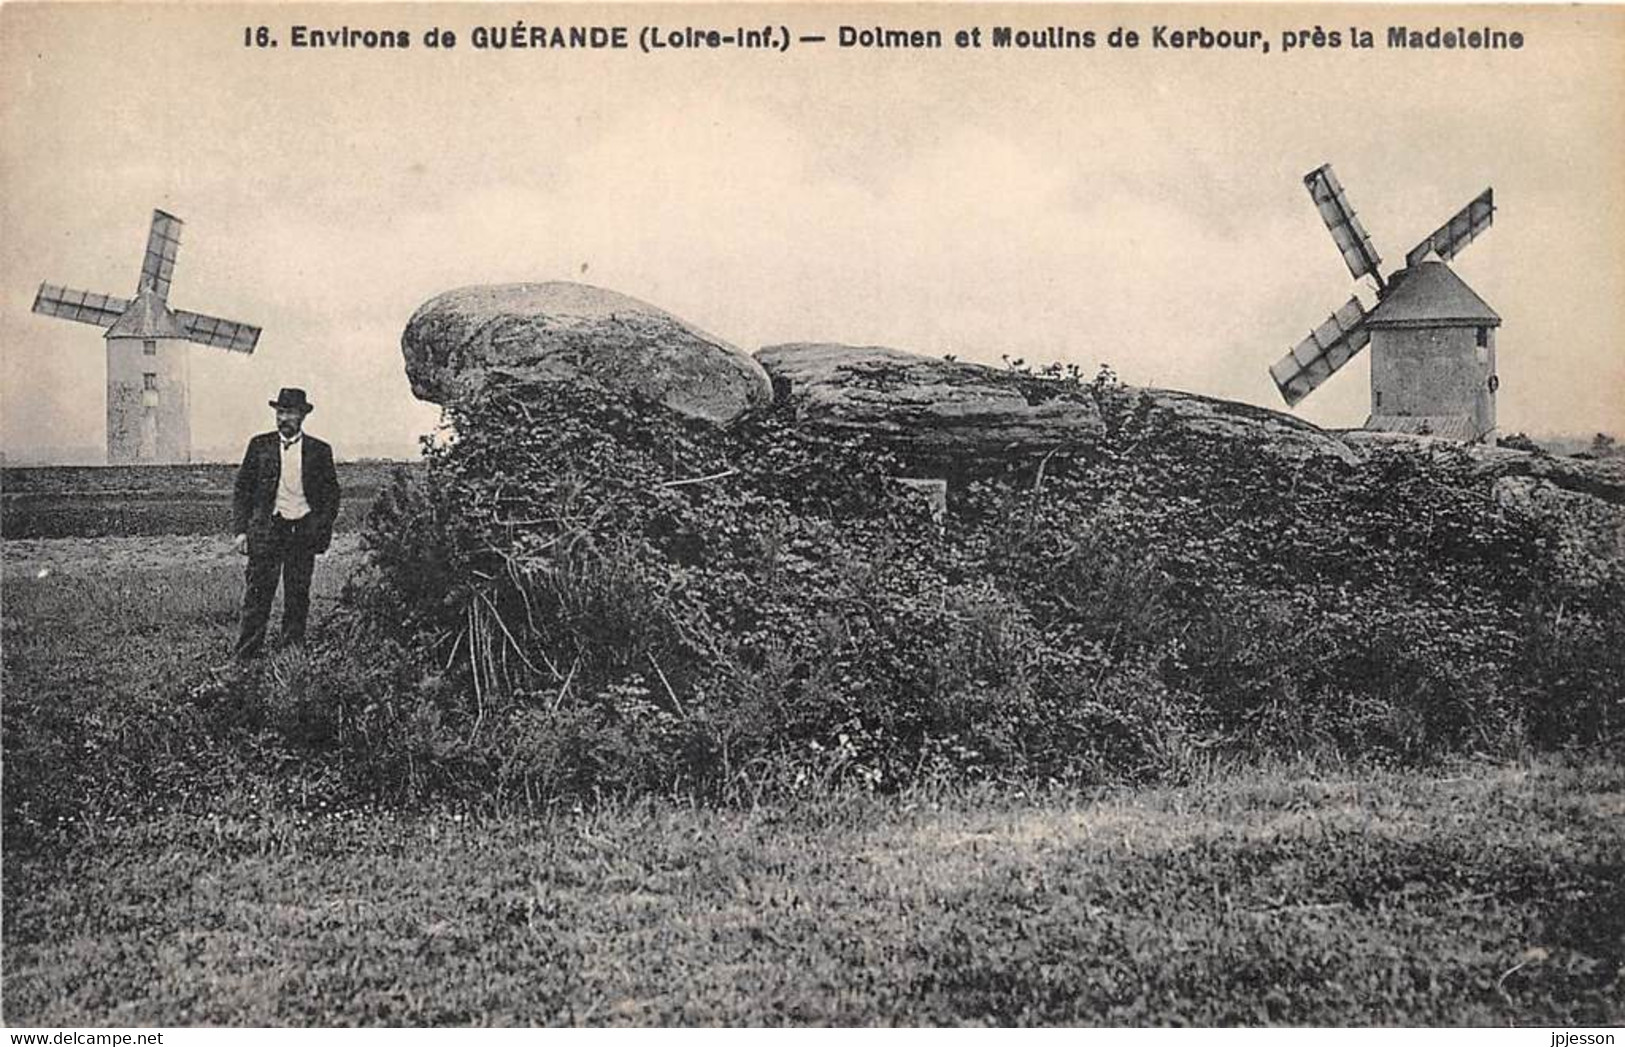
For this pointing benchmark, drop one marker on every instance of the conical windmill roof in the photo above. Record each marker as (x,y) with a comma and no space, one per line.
(147,317)
(1428,294)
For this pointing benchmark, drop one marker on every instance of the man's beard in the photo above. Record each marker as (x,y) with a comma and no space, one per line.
(289,430)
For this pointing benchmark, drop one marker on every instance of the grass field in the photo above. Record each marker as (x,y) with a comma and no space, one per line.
(228,890)
(1264,898)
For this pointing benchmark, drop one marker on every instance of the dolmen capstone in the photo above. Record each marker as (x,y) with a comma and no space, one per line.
(569,331)
(930,405)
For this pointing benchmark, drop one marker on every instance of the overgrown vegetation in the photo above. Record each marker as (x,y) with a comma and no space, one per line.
(586,596)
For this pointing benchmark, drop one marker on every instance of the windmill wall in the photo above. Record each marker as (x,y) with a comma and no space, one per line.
(149,411)
(1434,372)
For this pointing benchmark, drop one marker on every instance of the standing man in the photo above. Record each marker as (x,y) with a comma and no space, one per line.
(286,500)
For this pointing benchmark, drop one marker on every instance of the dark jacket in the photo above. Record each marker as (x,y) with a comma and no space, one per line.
(254,501)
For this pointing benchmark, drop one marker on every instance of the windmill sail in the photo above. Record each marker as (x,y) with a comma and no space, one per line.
(1353,242)
(163,244)
(85,307)
(223,334)
(1318,357)
(1464,227)
(147,315)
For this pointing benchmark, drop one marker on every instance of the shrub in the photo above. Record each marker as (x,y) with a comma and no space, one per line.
(1519,442)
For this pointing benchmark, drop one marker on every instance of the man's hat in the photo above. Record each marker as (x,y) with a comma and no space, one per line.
(292,398)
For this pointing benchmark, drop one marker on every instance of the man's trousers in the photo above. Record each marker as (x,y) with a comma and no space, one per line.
(283,549)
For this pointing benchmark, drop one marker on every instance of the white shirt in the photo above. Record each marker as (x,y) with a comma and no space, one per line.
(290,488)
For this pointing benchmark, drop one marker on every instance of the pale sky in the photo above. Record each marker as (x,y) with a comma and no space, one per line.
(1143,208)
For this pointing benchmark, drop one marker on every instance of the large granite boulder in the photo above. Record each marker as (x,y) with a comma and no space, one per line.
(561,330)
(947,408)
(1287,436)
(929,405)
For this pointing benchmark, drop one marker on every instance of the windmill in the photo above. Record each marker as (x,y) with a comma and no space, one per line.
(148,383)
(1432,339)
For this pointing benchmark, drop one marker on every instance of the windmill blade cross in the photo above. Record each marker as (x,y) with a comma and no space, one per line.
(86,307)
(163,245)
(1352,241)
(1465,226)
(1318,357)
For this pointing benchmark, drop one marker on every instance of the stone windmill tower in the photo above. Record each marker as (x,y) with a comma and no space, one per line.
(1432,339)
(149,416)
